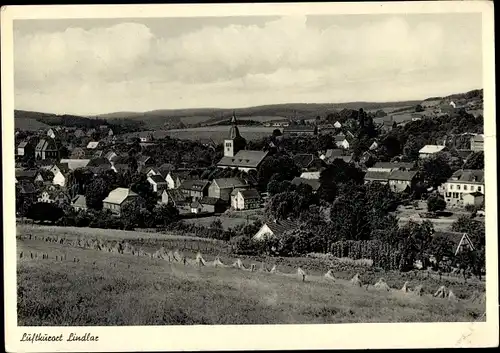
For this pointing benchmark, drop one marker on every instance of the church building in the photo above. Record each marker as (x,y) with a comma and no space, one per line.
(235,154)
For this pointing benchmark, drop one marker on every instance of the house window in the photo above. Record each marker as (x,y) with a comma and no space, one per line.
(451,187)
(478,188)
(455,195)
(465,187)
(448,194)
(472,188)
(458,187)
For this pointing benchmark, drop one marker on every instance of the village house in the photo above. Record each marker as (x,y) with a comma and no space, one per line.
(45,197)
(221,188)
(461,183)
(300,130)
(337,125)
(46,148)
(235,156)
(175,178)
(97,154)
(373,146)
(116,198)
(78,153)
(311,175)
(402,180)
(26,175)
(90,132)
(174,197)
(196,207)
(27,190)
(212,205)
(146,136)
(341,142)
(158,183)
(110,156)
(26,148)
(245,199)
(274,229)
(144,161)
(44,176)
(60,171)
(51,133)
(327,129)
(79,133)
(460,241)
(477,143)
(430,150)
(79,203)
(195,189)
(381,177)
(308,162)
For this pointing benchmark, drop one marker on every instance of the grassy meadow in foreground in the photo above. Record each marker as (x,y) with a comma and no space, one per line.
(113,289)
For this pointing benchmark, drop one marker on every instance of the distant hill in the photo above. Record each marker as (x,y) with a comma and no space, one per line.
(477,93)
(29,124)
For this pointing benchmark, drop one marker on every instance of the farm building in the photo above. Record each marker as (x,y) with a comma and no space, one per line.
(79,133)
(79,203)
(429,150)
(44,176)
(341,141)
(51,133)
(222,188)
(46,148)
(27,189)
(26,175)
(381,177)
(157,183)
(110,156)
(474,198)
(390,167)
(401,180)
(462,182)
(175,179)
(195,189)
(26,148)
(196,207)
(274,229)
(60,171)
(116,198)
(78,153)
(245,199)
(146,136)
(310,175)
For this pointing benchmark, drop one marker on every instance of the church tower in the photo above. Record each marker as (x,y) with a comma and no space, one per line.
(235,143)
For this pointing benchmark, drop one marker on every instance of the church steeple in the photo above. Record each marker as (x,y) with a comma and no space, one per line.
(235,142)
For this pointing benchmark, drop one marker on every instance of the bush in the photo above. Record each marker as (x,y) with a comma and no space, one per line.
(471,208)
(45,212)
(436,203)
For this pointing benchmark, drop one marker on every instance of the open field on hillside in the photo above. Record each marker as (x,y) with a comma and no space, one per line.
(113,289)
(227,222)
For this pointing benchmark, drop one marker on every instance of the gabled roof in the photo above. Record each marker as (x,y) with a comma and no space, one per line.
(476,194)
(248,194)
(478,138)
(244,158)
(194,185)
(118,195)
(28,188)
(121,167)
(280,227)
(26,174)
(158,179)
(303,160)
(110,155)
(176,195)
(229,183)
(334,152)
(468,176)
(454,237)
(63,167)
(402,175)
(370,175)
(432,148)
(79,200)
(339,138)
(313,183)
(195,204)
(23,144)
(310,175)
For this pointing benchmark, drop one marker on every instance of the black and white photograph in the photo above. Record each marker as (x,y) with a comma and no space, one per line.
(248,168)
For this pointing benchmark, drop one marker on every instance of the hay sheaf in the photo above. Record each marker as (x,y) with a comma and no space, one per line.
(274,269)
(418,290)
(329,275)
(382,285)
(200,261)
(441,292)
(238,264)
(356,281)
(405,288)
(218,263)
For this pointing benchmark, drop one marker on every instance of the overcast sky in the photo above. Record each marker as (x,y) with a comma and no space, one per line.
(100,66)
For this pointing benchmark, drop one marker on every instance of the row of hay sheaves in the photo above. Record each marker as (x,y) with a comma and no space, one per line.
(176,256)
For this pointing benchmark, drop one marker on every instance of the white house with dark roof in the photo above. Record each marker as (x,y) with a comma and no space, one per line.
(79,203)
(75,163)
(401,180)
(195,189)
(341,141)
(116,198)
(477,143)
(390,167)
(158,183)
(245,199)
(221,188)
(461,183)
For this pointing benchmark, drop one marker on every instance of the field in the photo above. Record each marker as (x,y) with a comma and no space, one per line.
(90,287)
(219,133)
(227,222)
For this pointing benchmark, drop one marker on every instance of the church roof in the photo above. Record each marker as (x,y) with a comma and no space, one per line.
(244,159)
